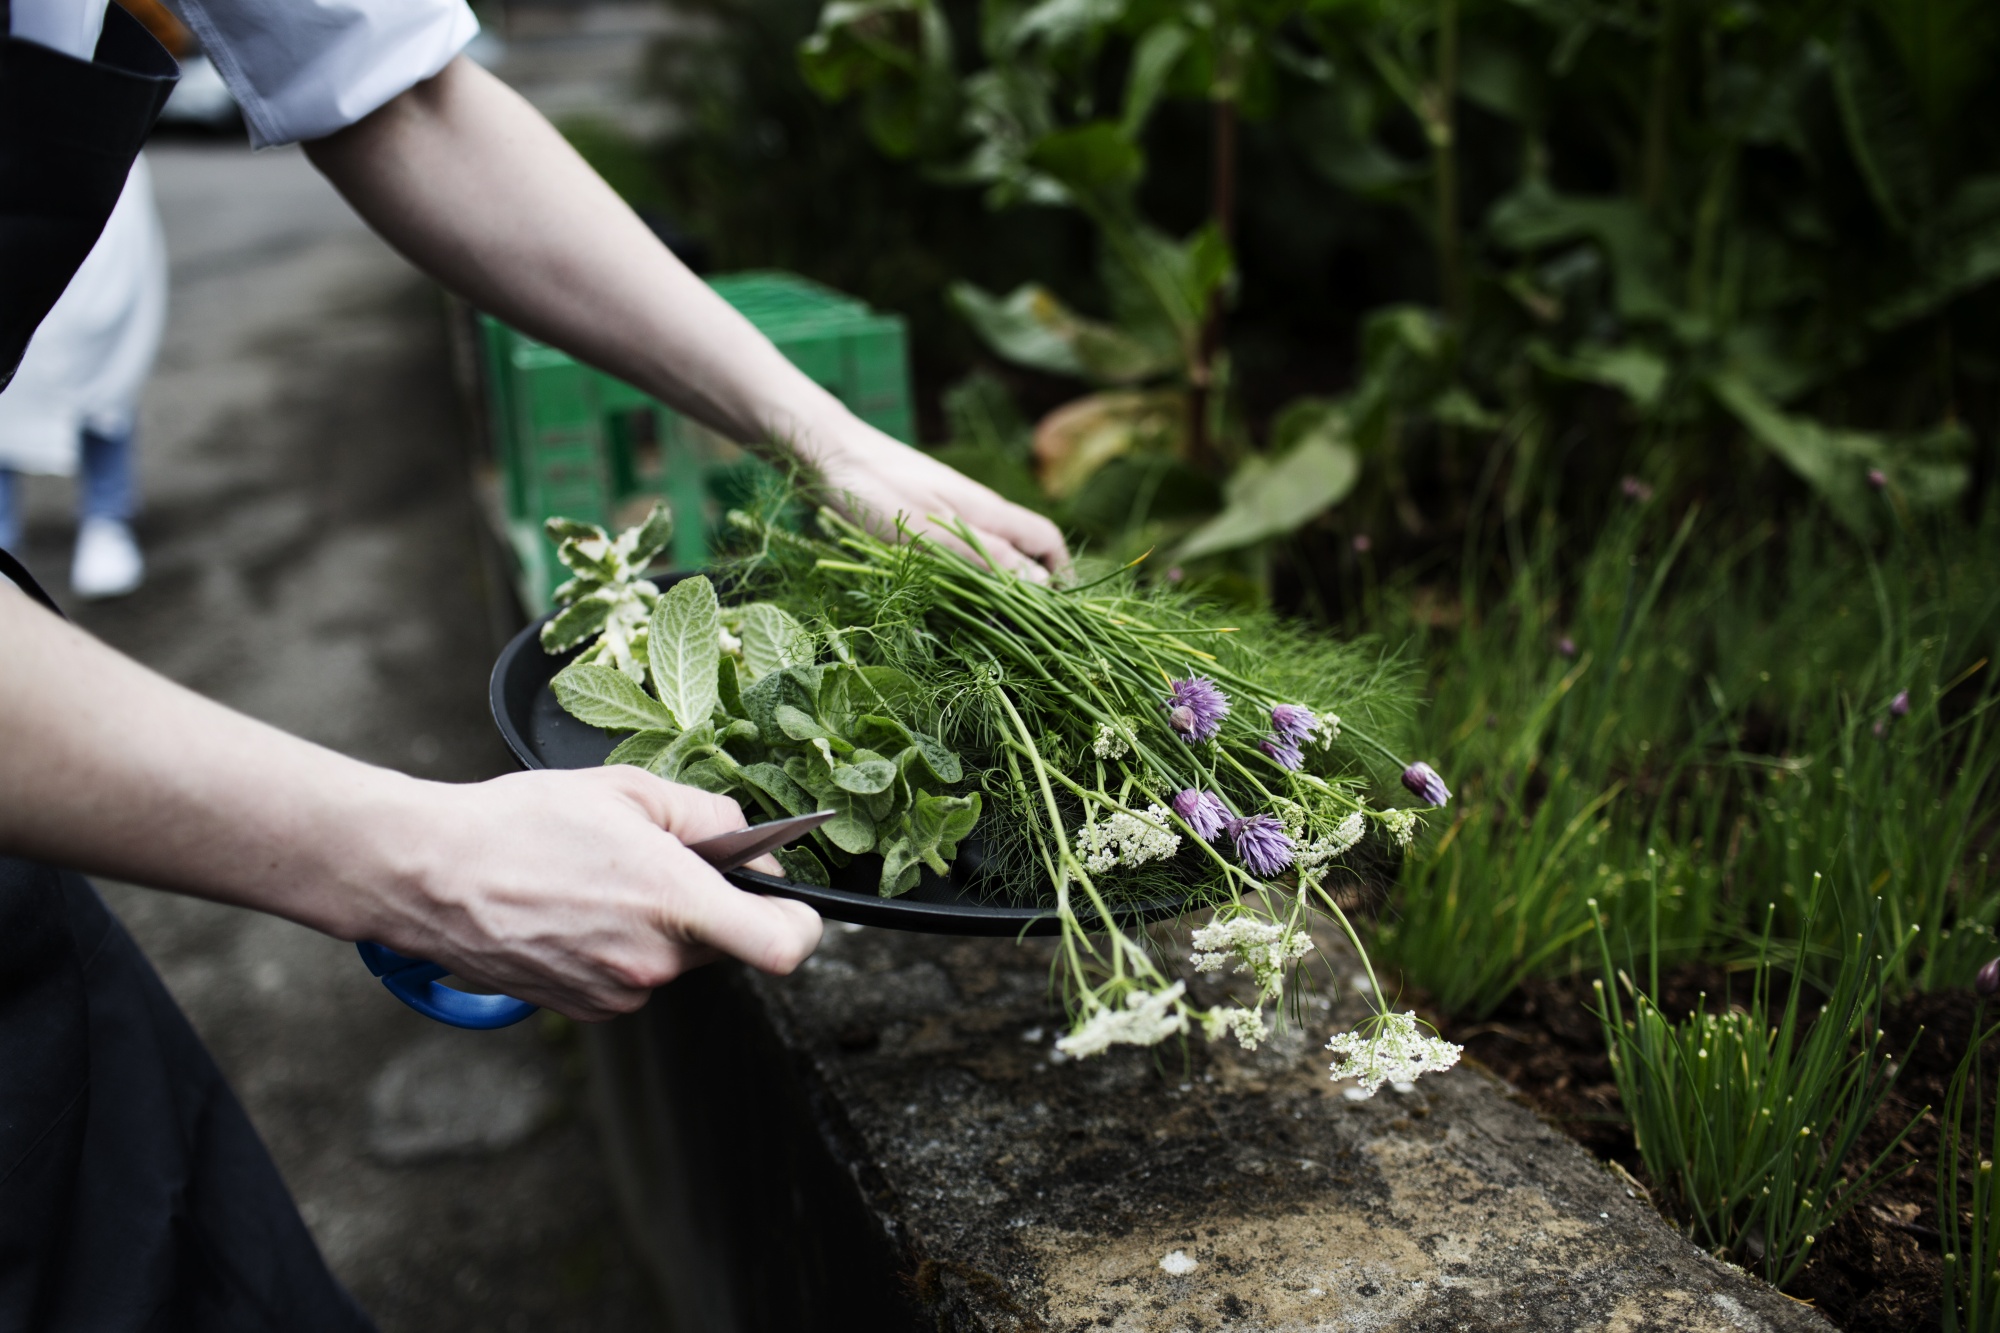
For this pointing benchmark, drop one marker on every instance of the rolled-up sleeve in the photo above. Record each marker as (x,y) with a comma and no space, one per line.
(301,69)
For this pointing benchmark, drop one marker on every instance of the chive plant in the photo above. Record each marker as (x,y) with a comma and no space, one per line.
(1968,1223)
(1748,1116)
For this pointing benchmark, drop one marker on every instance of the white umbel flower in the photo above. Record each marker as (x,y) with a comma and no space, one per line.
(1402,825)
(1247,1024)
(1326,729)
(1396,1052)
(1321,850)
(1264,949)
(1149,1017)
(1128,840)
(1109,744)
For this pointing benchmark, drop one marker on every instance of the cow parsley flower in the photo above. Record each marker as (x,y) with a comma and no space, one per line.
(1109,744)
(1264,949)
(1402,825)
(1126,839)
(1326,731)
(1204,812)
(1395,1052)
(1247,1024)
(1261,843)
(1149,1017)
(1337,843)
(1195,708)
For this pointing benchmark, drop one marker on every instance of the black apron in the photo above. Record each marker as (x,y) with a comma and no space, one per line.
(134,1192)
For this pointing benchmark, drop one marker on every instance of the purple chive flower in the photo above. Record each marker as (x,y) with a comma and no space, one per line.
(1988,981)
(1195,708)
(1262,844)
(1566,646)
(1204,813)
(1900,705)
(1880,728)
(1361,543)
(1635,489)
(1283,753)
(1425,784)
(1293,722)
(1877,479)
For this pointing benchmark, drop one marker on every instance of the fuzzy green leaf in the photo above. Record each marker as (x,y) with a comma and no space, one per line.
(852,829)
(772,640)
(683,641)
(692,744)
(709,775)
(604,697)
(865,778)
(777,784)
(728,687)
(640,749)
(902,868)
(802,867)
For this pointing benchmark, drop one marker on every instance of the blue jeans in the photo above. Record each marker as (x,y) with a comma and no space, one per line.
(105,486)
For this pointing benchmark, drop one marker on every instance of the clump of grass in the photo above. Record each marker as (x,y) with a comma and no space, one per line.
(1748,1117)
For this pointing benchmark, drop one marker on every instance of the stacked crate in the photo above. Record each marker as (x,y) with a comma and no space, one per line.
(573,442)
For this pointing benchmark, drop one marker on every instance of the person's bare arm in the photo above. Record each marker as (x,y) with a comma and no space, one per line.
(572,890)
(471,183)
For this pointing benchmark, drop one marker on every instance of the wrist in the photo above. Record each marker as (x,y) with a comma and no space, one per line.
(381,857)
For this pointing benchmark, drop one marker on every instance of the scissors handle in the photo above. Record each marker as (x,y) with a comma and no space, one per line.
(415,982)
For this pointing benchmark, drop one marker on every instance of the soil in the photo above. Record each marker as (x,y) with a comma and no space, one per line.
(1876,1270)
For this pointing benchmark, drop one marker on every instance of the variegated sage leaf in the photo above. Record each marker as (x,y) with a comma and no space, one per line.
(683,641)
(639,545)
(607,698)
(575,623)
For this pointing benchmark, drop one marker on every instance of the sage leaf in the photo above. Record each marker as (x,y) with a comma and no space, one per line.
(605,697)
(692,744)
(802,867)
(902,869)
(728,687)
(777,784)
(852,829)
(683,641)
(709,775)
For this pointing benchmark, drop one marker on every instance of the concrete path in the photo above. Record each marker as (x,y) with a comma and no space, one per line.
(315,564)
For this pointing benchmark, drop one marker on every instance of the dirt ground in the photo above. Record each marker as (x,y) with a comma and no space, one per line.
(315,562)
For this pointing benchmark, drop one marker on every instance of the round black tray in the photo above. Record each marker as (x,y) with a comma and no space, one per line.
(542,735)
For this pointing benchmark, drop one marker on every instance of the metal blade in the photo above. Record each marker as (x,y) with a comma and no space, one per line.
(729,851)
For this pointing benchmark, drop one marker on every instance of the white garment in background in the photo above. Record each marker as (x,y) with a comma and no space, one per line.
(299,69)
(90,358)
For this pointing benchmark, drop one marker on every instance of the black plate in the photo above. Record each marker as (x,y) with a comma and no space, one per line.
(542,735)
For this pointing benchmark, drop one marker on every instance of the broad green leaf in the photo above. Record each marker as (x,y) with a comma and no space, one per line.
(1834,462)
(939,823)
(683,641)
(1267,500)
(802,867)
(902,868)
(575,623)
(865,778)
(852,829)
(1096,162)
(1153,59)
(1641,254)
(1884,123)
(772,640)
(1061,23)
(777,784)
(604,697)
(640,749)
(1638,372)
(739,730)
(800,725)
(692,744)
(709,774)
(1031,327)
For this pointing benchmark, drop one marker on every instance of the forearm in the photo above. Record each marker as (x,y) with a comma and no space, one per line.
(109,768)
(471,183)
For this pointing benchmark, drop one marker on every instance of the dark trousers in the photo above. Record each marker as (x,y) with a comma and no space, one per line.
(134,1193)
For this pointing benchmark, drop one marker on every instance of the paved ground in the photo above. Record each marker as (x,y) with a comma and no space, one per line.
(315,563)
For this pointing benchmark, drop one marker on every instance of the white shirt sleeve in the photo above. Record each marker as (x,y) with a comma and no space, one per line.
(68,26)
(301,69)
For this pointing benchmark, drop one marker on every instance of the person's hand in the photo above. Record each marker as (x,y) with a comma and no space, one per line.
(573,890)
(874,479)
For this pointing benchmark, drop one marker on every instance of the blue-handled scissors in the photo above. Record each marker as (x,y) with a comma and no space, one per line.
(415,981)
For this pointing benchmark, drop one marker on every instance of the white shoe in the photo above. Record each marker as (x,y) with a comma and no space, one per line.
(108,563)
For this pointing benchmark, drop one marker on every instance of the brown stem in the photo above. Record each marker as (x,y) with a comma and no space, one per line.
(1222,212)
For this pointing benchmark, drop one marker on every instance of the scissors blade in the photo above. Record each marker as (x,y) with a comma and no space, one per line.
(729,851)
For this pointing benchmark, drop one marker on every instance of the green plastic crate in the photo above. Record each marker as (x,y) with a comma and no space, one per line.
(572,441)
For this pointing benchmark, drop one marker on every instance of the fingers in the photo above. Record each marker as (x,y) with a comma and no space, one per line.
(772,935)
(688,813)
